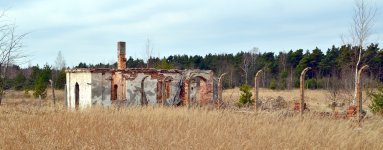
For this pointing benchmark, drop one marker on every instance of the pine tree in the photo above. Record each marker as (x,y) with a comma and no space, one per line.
(41,83)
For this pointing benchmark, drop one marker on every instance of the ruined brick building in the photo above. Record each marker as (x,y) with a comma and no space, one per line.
(139,86)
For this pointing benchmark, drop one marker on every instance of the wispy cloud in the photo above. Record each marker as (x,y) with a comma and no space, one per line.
(87,30)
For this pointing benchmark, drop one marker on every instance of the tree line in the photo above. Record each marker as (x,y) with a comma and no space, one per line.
(35,78)
(331,68)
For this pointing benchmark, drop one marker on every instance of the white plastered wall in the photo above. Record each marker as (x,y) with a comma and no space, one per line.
(101,88)
(85,90)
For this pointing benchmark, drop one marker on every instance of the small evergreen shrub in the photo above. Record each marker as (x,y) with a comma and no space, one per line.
(376,105)
(40,89)
(245,98)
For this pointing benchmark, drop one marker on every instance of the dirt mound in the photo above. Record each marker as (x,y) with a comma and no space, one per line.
(270,103)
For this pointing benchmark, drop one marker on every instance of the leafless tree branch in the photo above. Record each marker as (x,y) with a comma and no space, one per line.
(10,50)
(148,51)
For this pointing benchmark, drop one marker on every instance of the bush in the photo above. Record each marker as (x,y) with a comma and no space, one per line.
(273,84)
(40,89)
(245,98)
(315,83)
(41,83)
(376,105)
(311,84)
(19,82)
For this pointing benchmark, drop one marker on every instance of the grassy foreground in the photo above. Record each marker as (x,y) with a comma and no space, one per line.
(47,127)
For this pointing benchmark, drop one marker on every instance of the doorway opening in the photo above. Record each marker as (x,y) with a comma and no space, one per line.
(77,95)
(114,92)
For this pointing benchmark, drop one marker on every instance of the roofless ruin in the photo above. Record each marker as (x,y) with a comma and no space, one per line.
(139,86)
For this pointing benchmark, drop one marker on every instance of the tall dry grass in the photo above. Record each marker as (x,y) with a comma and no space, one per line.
(317,100)
(34,127)
(30,125)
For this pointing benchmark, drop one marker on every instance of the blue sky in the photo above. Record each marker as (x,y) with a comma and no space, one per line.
(87,30)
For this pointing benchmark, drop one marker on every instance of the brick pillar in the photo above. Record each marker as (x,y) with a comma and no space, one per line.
(203,95)
(166,82)
(186,92)
(121,54)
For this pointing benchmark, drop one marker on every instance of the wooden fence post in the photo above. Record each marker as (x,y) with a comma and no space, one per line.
(53,91)
(359,93)
(256,88)
(302,87)
(220,90)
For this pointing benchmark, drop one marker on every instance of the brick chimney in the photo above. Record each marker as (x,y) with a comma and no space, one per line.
(121,63)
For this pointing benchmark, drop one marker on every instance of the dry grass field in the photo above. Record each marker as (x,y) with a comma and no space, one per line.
(26,123)
(317,100)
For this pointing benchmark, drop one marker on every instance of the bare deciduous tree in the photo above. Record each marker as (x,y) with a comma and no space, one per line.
(60,61)
(360,29)
(245,65)
(10,50)
(283,60)
(248,62)
(59,64)
(148,51)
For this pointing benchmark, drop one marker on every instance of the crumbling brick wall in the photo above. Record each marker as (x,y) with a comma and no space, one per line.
(142,86)
(198,87)
(145,86)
